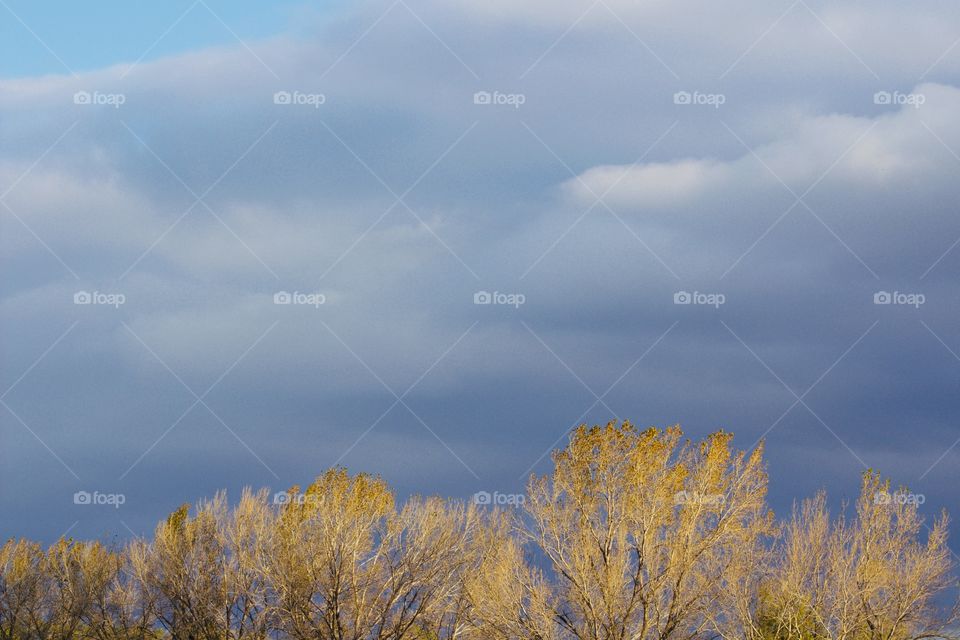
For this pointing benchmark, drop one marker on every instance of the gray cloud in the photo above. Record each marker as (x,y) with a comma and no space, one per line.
(304,199)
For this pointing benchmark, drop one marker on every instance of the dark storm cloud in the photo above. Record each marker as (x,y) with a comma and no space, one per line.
(790,190)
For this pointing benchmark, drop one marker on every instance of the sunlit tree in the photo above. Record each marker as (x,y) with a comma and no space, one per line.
(122,608)
(22,587)
(183,570)
(876,577)
(635,535)
(345,563)
(642,529)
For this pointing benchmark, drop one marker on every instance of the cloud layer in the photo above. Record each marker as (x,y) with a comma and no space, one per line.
(789,159)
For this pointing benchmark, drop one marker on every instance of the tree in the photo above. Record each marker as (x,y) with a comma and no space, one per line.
(635,535)
(347,565)
(183,571)
(508,597)
(51,595)
(872,579)
(122,607)
(22,587)
(245,533)
(76,573)
(641,528)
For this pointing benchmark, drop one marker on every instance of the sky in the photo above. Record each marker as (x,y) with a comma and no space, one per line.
(245,242)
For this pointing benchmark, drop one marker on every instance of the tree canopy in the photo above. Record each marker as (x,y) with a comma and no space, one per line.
(635,535)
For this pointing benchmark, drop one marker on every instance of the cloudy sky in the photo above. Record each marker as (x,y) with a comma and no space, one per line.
(739,216)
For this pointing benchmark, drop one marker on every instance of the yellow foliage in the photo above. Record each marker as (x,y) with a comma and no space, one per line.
(636,534)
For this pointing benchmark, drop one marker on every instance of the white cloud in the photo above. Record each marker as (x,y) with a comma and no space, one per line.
(851,152)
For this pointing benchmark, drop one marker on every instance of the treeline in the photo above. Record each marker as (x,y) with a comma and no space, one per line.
(635,535)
